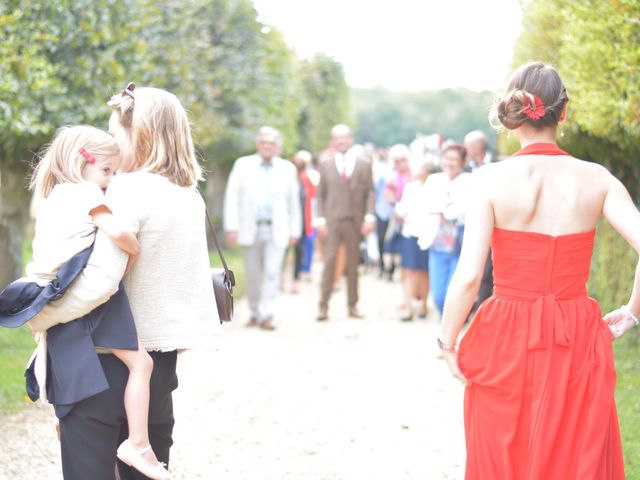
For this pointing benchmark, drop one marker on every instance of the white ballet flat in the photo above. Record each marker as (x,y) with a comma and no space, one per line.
(132,457)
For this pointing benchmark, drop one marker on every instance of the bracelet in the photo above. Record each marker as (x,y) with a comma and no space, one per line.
(627,310)
(445,346)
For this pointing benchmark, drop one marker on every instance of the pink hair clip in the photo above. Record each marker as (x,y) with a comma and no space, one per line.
(87,156)
(533,109)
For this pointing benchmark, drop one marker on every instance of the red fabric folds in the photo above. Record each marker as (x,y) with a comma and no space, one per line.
(540,361)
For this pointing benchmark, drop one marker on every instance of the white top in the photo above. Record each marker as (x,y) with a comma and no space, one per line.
(411,209)
(63,228)
(345,163)
(442,195)
(169,287)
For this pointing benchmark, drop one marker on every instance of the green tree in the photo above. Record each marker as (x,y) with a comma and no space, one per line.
(326,98)
(594,45)
(385,117)
(60,60)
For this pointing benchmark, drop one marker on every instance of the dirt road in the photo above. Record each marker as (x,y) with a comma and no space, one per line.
(345,399)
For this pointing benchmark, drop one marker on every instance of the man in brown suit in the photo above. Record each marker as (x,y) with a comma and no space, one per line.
(345,199)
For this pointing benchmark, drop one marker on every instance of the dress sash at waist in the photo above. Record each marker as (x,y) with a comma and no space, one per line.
(547,321)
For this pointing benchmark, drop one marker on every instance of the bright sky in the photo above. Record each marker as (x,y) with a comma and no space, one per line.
(404,44)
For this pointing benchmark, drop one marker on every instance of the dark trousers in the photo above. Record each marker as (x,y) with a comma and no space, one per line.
(381,231)
(298,253)
(91,432)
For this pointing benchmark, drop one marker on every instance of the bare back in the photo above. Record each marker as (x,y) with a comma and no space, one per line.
(550,194)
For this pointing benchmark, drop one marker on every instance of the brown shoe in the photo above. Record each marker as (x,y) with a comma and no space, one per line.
(267,325)
(252,322)
(354,313)
(323,315)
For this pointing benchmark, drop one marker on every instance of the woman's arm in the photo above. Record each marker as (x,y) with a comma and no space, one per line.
(101,276)
(624,217)
(95,285)
(115,230)
(465,283)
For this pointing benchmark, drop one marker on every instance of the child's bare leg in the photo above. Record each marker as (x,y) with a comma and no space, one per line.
(136,396)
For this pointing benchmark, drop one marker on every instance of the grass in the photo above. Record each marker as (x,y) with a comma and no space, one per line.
(627,395)
(16,346)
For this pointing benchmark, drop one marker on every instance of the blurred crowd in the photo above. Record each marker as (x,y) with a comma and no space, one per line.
(397,211)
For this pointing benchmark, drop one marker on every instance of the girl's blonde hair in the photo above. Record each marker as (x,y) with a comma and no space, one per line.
(62,161)
(160,134)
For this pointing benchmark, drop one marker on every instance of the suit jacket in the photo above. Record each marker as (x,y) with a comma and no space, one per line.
(340,198)
(74,371)
(241,201)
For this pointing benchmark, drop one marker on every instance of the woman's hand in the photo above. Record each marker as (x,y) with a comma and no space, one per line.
(451,357)
(619,322)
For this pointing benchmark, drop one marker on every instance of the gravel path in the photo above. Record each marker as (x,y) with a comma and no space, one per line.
(345,399)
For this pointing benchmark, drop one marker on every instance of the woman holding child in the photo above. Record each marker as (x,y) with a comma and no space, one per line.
(168,285)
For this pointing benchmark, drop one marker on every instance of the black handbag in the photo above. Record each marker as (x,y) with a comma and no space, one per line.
(223,281)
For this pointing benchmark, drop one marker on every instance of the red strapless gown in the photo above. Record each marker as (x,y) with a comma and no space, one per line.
(540,360)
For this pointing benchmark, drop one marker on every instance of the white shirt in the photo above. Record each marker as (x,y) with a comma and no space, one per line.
(345,164)
(411,208)
(442,195)
(265,187)
(63,228)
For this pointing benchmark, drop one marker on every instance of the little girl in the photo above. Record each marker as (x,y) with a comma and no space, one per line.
(69,184)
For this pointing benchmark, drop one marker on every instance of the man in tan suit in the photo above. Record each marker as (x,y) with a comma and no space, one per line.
(345,213)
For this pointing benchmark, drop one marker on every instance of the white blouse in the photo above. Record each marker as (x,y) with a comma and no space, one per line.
(63,228)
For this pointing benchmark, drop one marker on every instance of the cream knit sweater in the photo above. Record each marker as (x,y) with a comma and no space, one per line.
(169,287)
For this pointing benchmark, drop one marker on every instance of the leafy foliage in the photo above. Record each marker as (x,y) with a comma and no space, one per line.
(60,61)
(594,45)
(385,117)
(326,100)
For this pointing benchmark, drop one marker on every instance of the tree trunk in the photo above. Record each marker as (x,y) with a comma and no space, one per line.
(14,217)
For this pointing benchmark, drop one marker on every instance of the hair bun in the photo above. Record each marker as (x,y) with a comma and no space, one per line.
(536,96)
(510,109)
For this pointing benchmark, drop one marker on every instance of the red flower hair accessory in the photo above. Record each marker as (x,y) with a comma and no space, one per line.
(87,156)
(534,109)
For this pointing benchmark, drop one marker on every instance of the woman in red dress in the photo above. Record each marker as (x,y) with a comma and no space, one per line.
(537,359)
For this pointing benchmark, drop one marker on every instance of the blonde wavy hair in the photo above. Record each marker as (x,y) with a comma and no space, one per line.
(160,134)
(62,162)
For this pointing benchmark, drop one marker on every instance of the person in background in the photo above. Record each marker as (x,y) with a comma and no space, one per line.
(383,210)
(304,247)
(345,214)
(262,214)
(479,155)
(445,199)
(414,260)
(399,156)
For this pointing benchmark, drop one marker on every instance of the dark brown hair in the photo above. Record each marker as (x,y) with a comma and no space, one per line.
(535,78)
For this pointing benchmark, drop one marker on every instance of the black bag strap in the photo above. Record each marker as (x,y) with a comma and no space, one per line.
(215,237)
